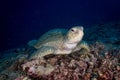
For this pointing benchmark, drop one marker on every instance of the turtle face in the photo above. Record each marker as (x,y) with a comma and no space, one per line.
(75,34)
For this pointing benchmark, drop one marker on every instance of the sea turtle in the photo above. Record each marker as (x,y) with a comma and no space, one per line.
(59,41)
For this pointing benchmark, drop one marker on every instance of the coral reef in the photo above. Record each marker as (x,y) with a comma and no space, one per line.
(90,66)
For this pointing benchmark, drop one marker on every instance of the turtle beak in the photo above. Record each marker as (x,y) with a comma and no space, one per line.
(81,28)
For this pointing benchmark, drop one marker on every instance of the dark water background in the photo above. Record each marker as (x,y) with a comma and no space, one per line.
(24,20)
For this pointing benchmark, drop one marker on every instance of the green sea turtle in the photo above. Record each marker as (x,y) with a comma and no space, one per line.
(59,41)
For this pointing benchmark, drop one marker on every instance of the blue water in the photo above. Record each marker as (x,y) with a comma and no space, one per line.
(23,20)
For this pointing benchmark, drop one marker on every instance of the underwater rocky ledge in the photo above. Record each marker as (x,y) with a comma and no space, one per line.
(101,63)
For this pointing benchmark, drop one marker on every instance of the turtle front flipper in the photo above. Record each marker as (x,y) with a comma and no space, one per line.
(83,46)
(43,51)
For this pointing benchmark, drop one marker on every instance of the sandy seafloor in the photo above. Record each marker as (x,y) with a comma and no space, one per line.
(101,63)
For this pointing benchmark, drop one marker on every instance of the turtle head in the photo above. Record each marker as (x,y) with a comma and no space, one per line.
(75,34)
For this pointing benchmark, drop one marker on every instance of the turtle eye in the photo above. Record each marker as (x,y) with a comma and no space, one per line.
(72,30)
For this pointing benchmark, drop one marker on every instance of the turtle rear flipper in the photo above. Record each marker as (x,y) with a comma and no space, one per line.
(32,43)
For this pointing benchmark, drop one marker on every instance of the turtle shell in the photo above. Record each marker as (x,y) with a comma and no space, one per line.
(54,36)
